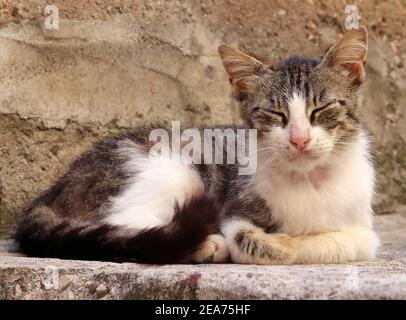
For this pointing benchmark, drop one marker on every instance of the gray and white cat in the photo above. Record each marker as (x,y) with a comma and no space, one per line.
(308,202)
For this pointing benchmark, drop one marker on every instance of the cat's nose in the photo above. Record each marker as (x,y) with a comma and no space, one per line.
(300,141)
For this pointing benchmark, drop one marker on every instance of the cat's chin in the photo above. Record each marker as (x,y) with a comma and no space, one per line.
(304,161)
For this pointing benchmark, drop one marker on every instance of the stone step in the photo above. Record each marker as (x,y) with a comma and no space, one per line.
(385,278)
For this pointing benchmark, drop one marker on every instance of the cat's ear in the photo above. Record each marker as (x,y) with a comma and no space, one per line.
(242,69)
(348,55)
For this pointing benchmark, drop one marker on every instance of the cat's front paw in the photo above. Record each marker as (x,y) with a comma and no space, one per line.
(257,247)
(213,250)
(282,248)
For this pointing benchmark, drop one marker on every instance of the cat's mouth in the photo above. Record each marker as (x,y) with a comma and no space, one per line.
(303,157)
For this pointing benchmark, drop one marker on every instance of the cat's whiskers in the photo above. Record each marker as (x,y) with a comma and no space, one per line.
(379,153)
(268,148)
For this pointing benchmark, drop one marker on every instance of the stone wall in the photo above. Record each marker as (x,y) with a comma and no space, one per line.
(117,64)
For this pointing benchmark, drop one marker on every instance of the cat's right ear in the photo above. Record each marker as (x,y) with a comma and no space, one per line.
(242,69)
(348,55)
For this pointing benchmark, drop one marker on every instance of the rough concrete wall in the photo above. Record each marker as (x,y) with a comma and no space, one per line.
(116,64)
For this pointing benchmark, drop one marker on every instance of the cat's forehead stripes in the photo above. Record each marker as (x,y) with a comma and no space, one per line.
(295,79)
(296,73)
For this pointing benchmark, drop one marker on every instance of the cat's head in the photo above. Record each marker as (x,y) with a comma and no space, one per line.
(306,111)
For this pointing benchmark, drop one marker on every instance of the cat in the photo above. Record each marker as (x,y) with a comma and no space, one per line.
(309,200)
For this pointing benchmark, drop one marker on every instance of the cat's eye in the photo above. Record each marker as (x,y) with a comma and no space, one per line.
(281,116)
(320,109)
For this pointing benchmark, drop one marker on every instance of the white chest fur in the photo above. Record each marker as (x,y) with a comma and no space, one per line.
(337,198)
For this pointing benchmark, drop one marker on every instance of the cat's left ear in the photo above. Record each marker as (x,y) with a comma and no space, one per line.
(243,70)
(348,55)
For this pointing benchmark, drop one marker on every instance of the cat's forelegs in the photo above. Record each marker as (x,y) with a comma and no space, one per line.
(346,245)
(250,244)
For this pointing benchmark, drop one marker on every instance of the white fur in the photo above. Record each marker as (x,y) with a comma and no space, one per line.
(157,183)
(342,198)
(297,111)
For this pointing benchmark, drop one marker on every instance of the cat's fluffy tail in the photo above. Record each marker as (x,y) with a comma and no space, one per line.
(42,233)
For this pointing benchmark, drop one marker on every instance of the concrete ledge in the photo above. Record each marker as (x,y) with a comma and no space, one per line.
(385,278)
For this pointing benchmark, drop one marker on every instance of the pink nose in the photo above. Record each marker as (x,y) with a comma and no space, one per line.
(300,141)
